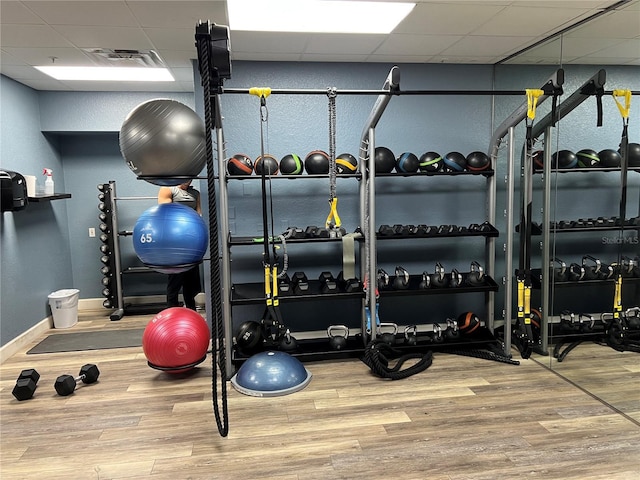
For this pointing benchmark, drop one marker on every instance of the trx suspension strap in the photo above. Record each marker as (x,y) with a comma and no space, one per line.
(523,335)
(617,327)
(212,43)
(333,222)
(272,321)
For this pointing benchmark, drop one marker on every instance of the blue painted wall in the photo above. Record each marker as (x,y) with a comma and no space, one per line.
(80,144)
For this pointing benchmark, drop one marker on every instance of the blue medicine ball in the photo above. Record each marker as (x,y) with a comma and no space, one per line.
(170,237)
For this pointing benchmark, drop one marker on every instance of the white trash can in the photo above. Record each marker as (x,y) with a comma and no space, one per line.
(64,307)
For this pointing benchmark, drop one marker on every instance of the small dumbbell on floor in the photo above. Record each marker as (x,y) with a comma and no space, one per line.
(66,384)
(26,384)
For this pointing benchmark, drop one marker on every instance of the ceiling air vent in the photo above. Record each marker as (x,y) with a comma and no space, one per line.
(125,58)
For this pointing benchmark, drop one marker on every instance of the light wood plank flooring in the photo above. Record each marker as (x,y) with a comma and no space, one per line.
(463,418)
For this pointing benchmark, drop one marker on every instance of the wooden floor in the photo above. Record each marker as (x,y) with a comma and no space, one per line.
(463,418)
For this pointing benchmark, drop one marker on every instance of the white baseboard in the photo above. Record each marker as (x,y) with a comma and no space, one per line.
(96,303)
(17,344)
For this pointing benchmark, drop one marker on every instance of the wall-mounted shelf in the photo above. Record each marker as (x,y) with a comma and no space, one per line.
(48,198)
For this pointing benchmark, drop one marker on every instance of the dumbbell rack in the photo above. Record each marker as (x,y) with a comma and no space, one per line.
(111,259)
(555,327)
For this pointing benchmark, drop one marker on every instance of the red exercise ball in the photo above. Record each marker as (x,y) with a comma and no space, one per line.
(176,340)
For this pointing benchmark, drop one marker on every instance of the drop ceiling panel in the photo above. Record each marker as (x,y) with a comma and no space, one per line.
(31,36)
(175,39)
(487,46)
(184,14)
(268,42)
(18,13)
(534,22)
(424,45)
(342,44)
(105,37)
(113,13)
(447,18)
(43,56)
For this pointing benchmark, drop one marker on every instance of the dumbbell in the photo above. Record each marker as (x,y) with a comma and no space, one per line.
(66,384)
(296,232)
(385,230)
(300,283)
(402,229)
(327,283)
(26,384)
(349,285)
(284,283)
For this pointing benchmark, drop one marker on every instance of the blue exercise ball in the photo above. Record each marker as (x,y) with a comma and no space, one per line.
(162,139)
(170,237)
(271,374)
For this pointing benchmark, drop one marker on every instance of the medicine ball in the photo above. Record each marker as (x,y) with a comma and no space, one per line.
(407,163)
(271,165)
(249,335)
(468,323)
(163,138)
(587,158)
(634,154)
(385,160)
(564,159)
(239,164)
(609,158)
(430,162)
(454,162)
(291,164)
(538,159)
(478,161)
(317,162)
(346,163)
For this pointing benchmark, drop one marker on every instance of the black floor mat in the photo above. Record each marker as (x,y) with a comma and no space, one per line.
(71,342)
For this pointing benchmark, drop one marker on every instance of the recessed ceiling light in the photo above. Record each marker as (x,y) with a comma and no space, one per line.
(108,74)
(319,16)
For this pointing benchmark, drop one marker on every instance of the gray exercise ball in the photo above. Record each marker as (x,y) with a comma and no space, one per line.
(163,138)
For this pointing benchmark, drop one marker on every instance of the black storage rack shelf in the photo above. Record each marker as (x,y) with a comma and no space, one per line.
(536,276)
(258,240)
(48,198)
(484,173)
(316,349)
(588,169)
(491,231)
(253,293)
(489,285)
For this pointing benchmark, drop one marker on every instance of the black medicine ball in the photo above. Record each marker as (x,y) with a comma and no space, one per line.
(291,164)
(430,162)
(564,159)
(634,154)
(239,164)
(385,160)
(317,162)
(478,161)
(609,158)
(587,158)
(538,159)
(407,163)
(249,335)
(468,322)
(454,162)
(346,163)
(270,162)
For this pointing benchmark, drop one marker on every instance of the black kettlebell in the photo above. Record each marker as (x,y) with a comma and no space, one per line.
(338,341)
(383,279)
(568,321)
(437,336)
(586,322)
(576,272)
(439,279)
(388,337)
(287,342)
(425,283)
(560,273)
(591,271)
(411,335)
(455,279)
(475,276)
(401,280)
(452,332)
(633,317)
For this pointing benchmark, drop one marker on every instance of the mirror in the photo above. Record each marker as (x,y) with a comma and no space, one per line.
(581,204)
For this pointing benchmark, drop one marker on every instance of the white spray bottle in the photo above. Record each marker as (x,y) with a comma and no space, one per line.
(48,183)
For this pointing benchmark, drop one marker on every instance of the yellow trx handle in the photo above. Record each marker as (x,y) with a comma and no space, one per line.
(617,298)
(333,220)
(262,92)
(267,285)
(624,109)
(274,278)
(520,298)
(533,94)
(527,305)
